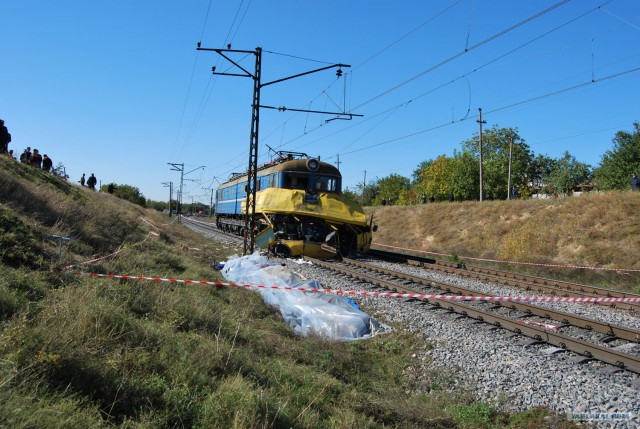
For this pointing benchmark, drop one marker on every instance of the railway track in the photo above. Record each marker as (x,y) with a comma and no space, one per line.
(526,283)
(519,365)
(571,332)
(515,317)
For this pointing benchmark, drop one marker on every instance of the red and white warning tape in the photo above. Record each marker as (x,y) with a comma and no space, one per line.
(381,294)
(542,325)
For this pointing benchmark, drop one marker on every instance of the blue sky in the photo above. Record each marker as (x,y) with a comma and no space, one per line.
(117,88)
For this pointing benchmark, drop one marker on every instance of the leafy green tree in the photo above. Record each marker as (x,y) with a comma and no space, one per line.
(368,193)
(127,192)
(392,188)
(350,194)
(439,178)
(465,180)
(419,182)
(620,163)
(495,168)
(567,173)
(61,171)
(420,170)
(540,168)
(157,205)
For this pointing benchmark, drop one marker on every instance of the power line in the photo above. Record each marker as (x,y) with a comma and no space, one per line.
(241,21)
(461,53)
(299,58)
(307,131)
(193,70)
(530,100)
(209,88)
(361,64)
(407,34)
(463,76)
(560,91)
(206,17)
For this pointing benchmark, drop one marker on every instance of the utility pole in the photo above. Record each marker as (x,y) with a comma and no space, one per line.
(338,162)
(180,168)
(211,204)
(252,168)
(509,179)
(480,121)
(170,185)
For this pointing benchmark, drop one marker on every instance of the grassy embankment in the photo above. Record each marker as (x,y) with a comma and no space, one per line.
(83,352)
(593,230)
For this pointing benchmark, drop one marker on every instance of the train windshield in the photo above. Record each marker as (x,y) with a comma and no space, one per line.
(314,182)
(327,184)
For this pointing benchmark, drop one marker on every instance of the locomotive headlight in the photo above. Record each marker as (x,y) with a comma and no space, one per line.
(313,164)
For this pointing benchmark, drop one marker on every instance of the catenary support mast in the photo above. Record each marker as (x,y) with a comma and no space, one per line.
(252,168)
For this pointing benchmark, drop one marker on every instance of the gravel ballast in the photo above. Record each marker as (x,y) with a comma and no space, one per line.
(494,365)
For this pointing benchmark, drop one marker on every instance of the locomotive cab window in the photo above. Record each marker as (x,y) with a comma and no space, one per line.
(296,181)
(326,183)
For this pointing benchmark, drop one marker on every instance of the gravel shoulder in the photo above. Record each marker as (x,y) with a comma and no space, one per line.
(495,366)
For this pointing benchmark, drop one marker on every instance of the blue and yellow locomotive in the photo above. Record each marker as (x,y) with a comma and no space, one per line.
(300,209)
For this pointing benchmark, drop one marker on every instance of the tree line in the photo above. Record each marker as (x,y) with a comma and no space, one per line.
(457,177)
(504,151)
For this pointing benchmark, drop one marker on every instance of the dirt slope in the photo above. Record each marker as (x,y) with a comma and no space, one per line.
(595,230)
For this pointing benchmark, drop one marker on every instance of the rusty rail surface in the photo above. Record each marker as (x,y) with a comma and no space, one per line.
(588,350)
(521,281)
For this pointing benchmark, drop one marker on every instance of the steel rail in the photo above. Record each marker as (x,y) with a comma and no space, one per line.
(525,282)
(591,351)
(611,331)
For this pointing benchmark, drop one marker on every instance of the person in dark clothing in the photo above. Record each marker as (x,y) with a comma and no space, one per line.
(635,183)
(47,163)
(91,182)
(111,188)
(36,159)
(26,156)
(5,138)
(424,198)
(82,180)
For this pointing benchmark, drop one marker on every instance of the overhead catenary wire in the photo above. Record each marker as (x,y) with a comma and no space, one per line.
(307,131)
(350,74)
(406,34)
(463,52)
(476,69)
(211,82)
(480,44)
(241,21)
(193,70)
(510,106)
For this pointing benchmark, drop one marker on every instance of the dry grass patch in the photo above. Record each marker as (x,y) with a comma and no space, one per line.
(589,230)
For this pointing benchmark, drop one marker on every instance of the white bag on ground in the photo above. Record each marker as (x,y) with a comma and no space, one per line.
(325,314)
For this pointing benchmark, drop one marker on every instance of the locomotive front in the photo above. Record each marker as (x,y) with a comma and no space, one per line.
(300,210)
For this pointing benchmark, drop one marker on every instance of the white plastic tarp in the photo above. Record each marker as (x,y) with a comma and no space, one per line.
(325,314)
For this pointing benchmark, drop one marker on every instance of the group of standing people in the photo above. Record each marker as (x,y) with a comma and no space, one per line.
(91,181)
(34,158)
